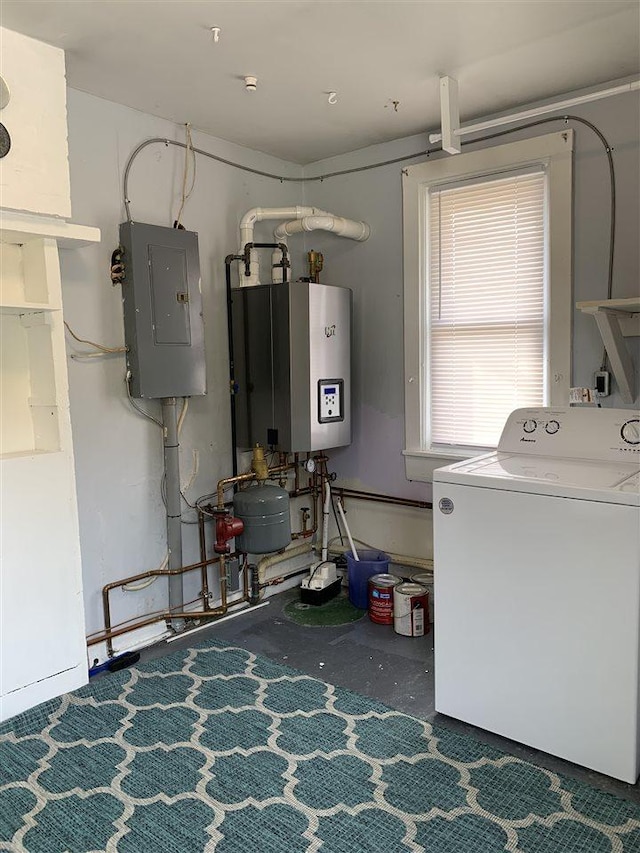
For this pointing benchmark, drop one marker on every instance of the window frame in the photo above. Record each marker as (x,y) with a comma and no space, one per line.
(554,152)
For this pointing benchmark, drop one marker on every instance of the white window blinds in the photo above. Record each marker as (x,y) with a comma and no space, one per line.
(486,312)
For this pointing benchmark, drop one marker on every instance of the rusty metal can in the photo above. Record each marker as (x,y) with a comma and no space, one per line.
(381,598)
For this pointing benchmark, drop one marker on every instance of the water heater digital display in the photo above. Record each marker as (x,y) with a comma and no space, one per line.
(330,397)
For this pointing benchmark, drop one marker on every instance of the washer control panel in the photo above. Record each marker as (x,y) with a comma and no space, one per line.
(630,432)
(574,432)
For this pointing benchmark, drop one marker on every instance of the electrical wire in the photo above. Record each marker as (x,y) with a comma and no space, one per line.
(335,515)
(185,194)
(101,347)
(183,413)
(194,473)
(83,356)
(424,153)
(315,568)
(612,186)
(141,411)
(281,178)
(136,587)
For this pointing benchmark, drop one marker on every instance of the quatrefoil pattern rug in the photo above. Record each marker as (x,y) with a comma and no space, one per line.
(217,749)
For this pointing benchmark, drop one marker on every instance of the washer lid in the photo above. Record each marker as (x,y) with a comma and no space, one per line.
(612,482)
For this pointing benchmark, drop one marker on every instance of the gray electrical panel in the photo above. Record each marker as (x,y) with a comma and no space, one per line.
(292,365)
(164,332)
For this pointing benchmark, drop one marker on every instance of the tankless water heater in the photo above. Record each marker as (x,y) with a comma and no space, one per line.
(292,365)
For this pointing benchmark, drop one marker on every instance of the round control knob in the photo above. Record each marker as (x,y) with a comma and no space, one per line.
(552,427)
(529,426)
(630,431)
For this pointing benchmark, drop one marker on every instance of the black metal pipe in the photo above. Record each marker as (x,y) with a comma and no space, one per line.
(285,263)
(232,370)
(254,596)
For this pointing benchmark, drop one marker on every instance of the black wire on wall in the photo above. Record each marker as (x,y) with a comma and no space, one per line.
(426,153)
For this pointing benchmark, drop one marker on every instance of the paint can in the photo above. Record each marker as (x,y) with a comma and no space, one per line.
(411,609)
(381,598)
(426,580)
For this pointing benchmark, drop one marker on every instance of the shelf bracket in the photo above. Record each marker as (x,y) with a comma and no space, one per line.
(621,364)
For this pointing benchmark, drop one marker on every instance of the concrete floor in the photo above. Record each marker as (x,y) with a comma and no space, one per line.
(371,660)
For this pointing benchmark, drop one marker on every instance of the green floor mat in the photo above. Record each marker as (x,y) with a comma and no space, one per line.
(338,611)
(215,748)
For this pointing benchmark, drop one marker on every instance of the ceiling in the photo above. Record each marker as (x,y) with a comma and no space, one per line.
(161,57)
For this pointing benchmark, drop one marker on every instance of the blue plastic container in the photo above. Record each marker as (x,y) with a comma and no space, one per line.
(359,571)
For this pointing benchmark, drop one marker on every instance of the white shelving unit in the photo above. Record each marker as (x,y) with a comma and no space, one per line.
(617,319)
(42,643)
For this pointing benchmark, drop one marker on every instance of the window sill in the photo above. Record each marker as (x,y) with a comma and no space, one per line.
(420,464)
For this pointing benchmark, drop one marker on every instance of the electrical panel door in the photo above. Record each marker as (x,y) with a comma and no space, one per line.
(164,331)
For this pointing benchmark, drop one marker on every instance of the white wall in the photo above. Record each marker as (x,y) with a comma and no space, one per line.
(34,176)
(119,453)
(374,271)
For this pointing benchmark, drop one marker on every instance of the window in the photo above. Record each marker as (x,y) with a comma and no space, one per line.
(485,315)
(487,245)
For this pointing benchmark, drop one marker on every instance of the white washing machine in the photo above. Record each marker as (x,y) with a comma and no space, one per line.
(537,586)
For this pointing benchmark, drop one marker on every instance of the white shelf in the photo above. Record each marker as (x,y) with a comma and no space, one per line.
(27,307)
(617,319)
(21,228)
(25,454)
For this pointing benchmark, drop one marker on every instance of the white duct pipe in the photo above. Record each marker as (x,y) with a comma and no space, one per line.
(327,222)
(301,219)
(266,563)
(349,228)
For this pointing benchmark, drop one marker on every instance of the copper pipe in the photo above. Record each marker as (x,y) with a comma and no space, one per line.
(135,619)
(240,478)
(202,565)
(283,461)
(142,576)
(203,556)
(158,573)
(307,531)
(160,617)
(229,481)
(298,493)
(357,494)
(302,534)
(279,580)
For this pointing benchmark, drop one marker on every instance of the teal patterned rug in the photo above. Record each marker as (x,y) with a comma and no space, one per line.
(217,749)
